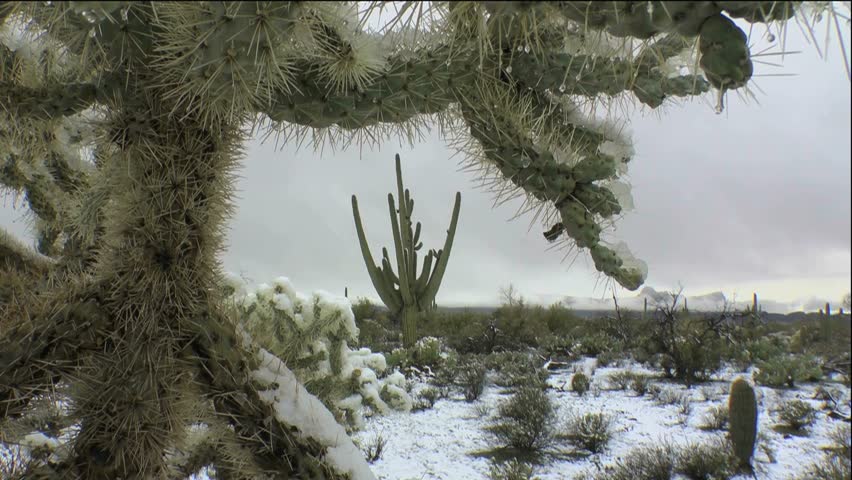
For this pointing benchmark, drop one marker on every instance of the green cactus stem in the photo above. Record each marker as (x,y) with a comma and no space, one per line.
(406,293)
(742,408)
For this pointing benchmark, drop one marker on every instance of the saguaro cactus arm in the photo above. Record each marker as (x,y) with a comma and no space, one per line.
(434,282)
(402,249)
(382,279)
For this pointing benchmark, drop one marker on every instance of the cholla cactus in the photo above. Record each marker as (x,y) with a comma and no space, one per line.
(406,293)
(121,126)
(310,334)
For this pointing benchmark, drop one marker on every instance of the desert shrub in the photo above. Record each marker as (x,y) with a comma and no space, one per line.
(562,321)
(796,414)
(590,431)
(511,470)
(709,460)
(482,410)
(465,331)
(520,327)
(376,330)
(668,396)
(427,352)
(753,351)
(716,418)
(444,377)
(580,383)
(690,346)
(684,407)
(595,344)
(374,448)
(398,358)
(620,380)
(425,355)
(426,398)
(640,383)
(697,359)
(824,336)
(788,370)
(526,421)
(363,309)
(655,390)
(501,361)
(640,355)
(841,441)
(647,462)
(830,467)
(558,347)
(516,370)
(609,358)
(471,376)
(709,392)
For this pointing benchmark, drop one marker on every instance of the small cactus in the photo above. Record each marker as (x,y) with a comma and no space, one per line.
(742,429)
(580,383)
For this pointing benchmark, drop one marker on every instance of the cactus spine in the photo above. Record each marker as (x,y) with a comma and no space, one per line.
(405,293)
(742,408)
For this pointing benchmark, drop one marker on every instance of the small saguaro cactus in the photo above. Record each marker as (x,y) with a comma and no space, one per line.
(405,293)
(742,408)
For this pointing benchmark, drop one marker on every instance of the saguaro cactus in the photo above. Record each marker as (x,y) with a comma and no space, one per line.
(406,293)
(742,423)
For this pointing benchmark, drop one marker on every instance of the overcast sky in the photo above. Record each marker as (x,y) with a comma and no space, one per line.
(755,199)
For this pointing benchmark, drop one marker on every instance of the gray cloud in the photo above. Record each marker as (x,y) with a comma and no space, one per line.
(755,196)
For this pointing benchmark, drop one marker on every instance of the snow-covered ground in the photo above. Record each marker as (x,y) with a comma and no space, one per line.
(439,443)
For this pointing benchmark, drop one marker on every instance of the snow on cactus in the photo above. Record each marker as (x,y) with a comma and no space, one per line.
(311,335)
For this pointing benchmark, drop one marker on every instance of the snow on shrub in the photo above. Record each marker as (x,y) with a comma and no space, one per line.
(311,335)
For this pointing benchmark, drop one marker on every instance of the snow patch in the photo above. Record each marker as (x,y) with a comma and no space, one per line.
(295,406)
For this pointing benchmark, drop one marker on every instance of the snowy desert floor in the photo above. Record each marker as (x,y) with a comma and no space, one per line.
(447,441)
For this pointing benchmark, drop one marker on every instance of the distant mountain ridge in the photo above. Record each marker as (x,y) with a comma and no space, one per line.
(708,302)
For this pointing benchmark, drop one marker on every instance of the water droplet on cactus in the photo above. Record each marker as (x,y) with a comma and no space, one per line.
(375,100)
(526,49)
(525,161)
(770,37)
(720,102)
(509,69)
(449,62)
(562,88)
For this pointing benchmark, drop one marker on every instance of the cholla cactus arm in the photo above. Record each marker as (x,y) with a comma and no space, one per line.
(15,256)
